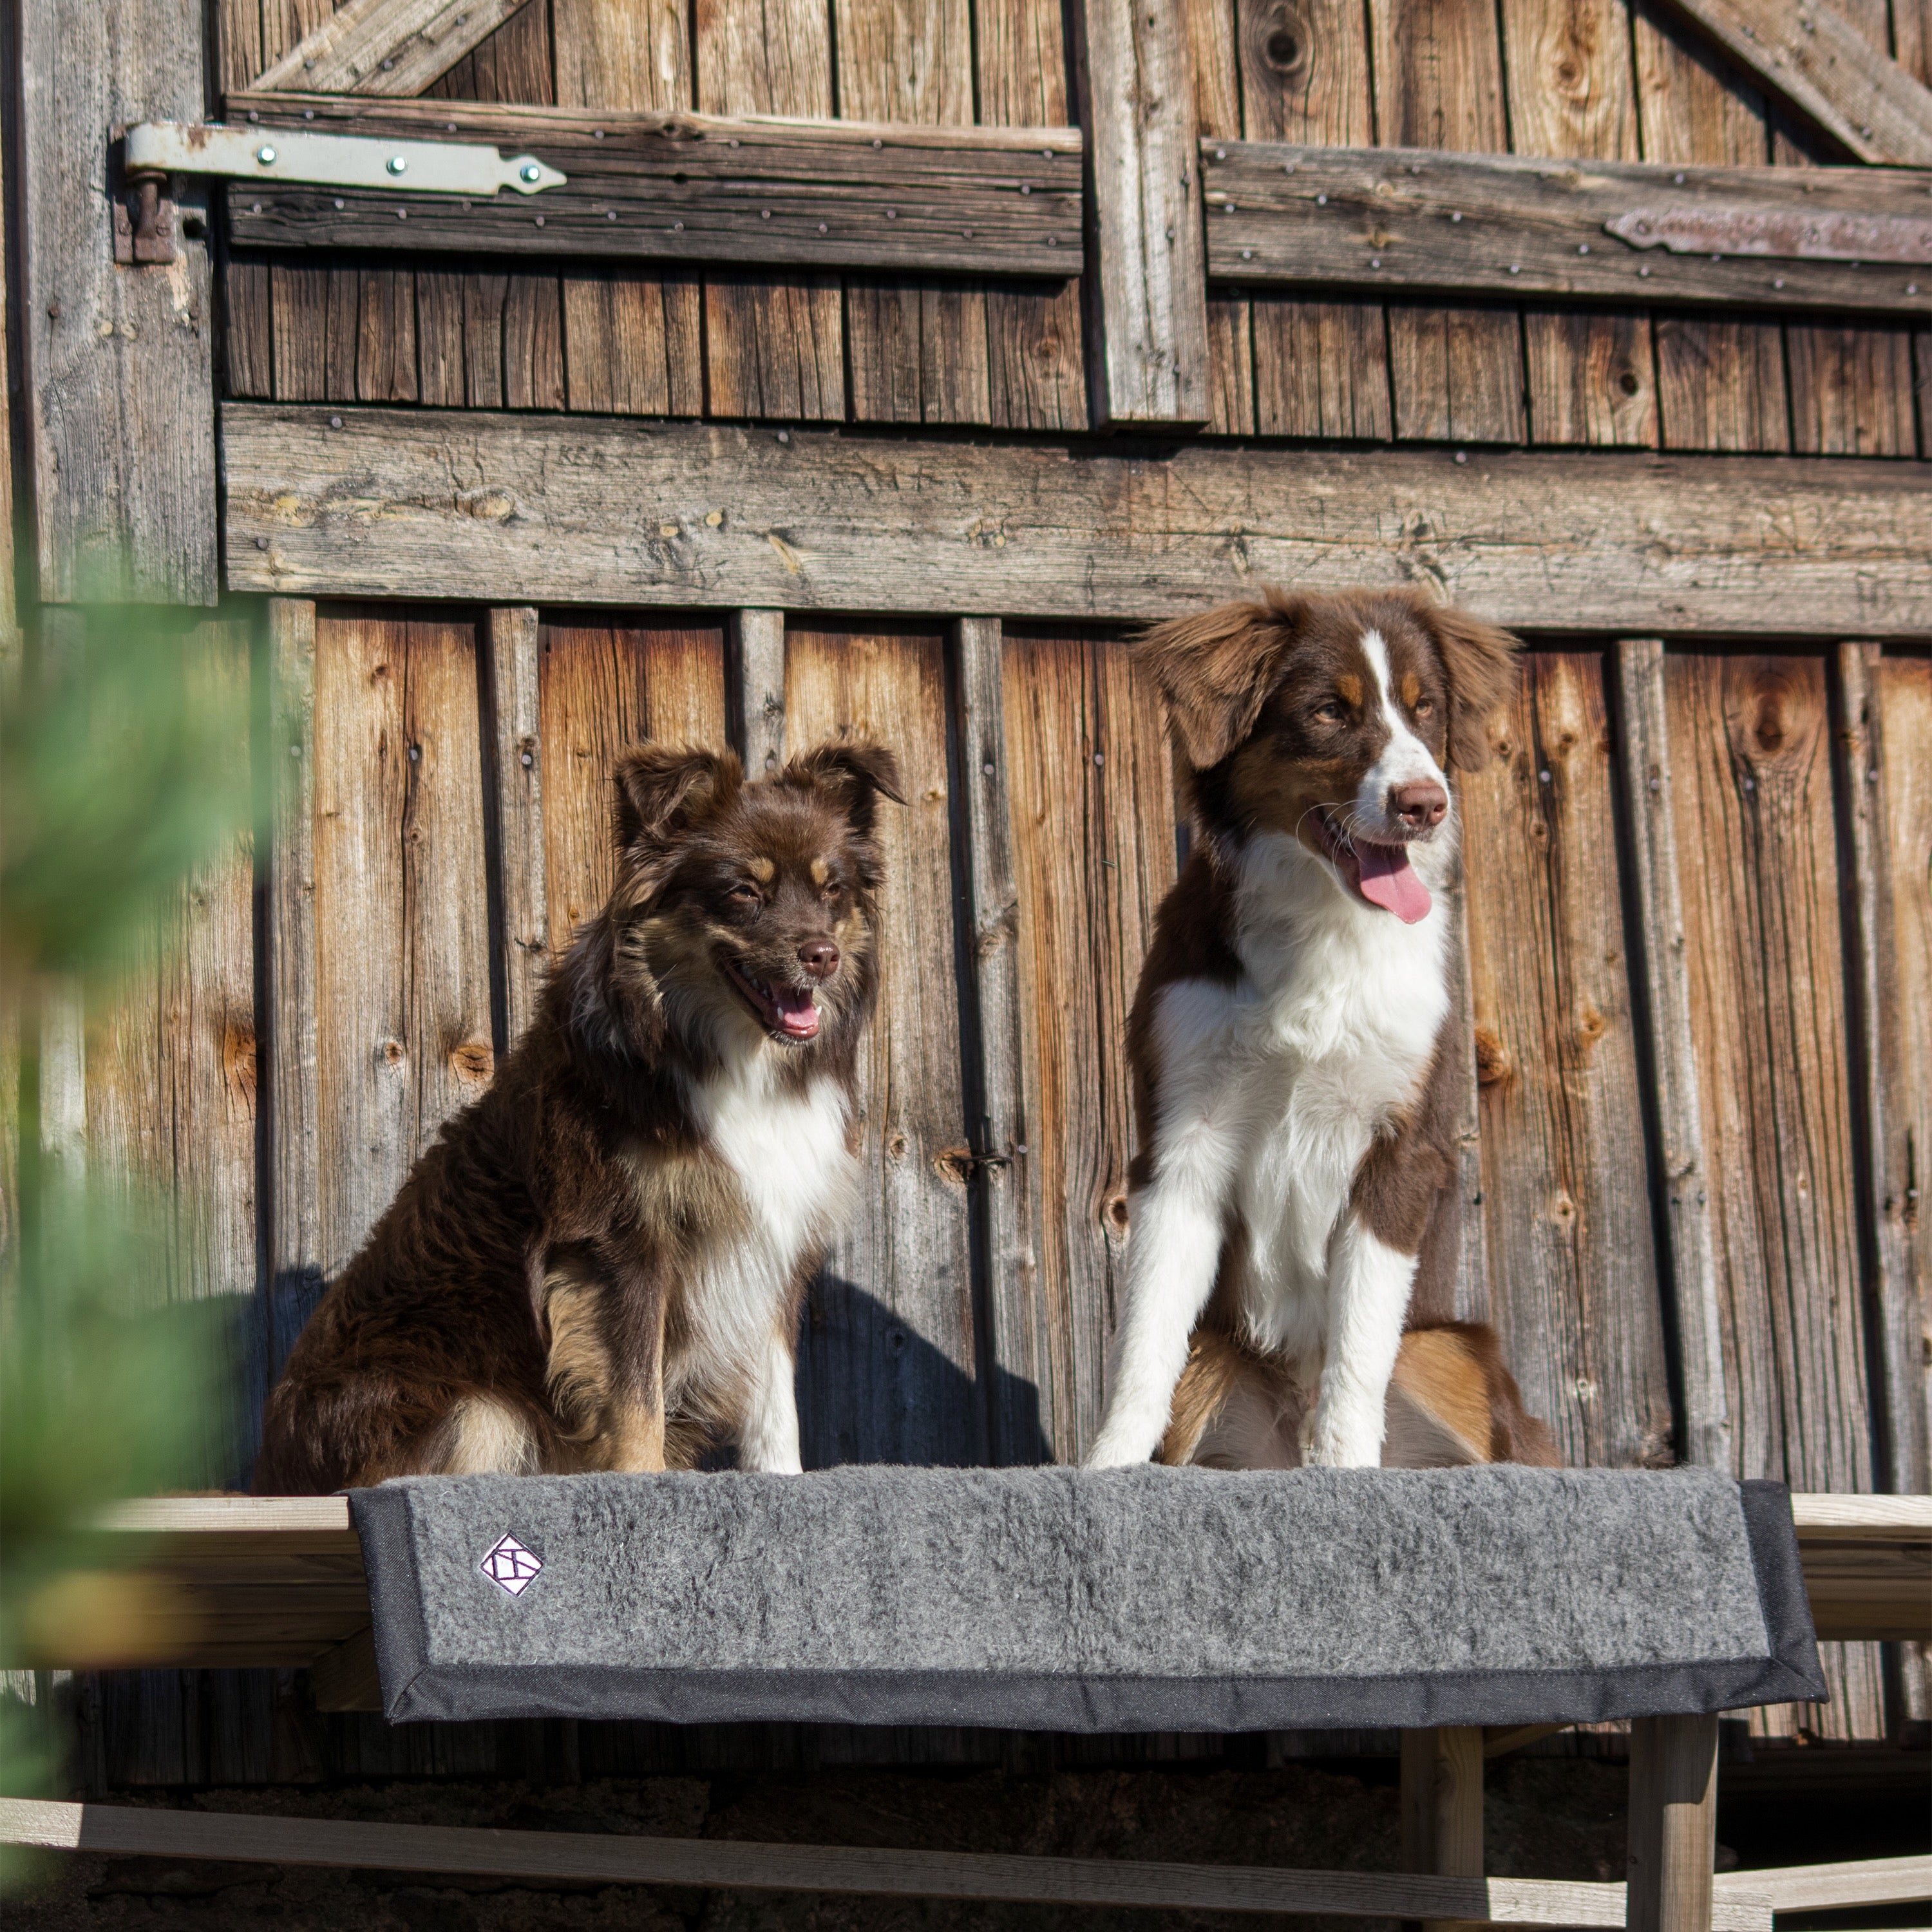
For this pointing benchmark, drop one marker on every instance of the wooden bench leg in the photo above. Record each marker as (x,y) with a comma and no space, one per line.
(1442,1805)
(1673,1823)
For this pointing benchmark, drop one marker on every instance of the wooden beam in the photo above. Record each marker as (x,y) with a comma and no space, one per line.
(388,46)
(1442,1805)
(693,187)
(1672,1061)
(742,1867)
(515,752)
(1811,57)
(1673,1823)
(1006,1206)
(119,384)
(754,688)
(1635,233)
(345,1678)
(387,503)
(1834,1887)
(1148,300)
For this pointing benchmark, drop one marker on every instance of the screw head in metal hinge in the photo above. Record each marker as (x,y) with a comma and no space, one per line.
(398,164)
(529,171)
(266,155)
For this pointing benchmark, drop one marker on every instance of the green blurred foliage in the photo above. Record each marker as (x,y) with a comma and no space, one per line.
(119,775)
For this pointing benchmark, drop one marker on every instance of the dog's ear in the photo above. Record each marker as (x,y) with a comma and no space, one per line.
(664,789)
(856,771)
(1216,670)
(1481,662)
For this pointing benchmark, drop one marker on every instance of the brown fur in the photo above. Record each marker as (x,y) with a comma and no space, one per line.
(1266,701)
(520,1302)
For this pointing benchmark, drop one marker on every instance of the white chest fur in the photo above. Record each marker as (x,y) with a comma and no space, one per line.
(787,1150)
(1329,1030)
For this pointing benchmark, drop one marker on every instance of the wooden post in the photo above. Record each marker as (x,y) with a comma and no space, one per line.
(120,381)
(1673,1823)
(516,758)
(755,689)
(1146,272)
(1442,1805)
(1693,1261)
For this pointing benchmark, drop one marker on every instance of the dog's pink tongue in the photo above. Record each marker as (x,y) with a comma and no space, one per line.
(796,1014)
(1389,881)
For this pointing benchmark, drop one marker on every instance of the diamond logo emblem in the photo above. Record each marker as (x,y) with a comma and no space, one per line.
(508,1565)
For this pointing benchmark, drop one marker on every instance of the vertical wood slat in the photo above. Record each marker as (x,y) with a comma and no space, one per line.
(1006,1206)
(1574,1286)
(774,346)
(1672,1061)
(754,681)
(887,1369)
(296,1249)
(1884,744)
(1673,1823)
(1572,93)
(1452,1272)
(1442,1805)
(402,976)
(1320,368)
(1752,794)
(1146,272)
(1454,374)
(1719,379)
(1090,784)
(119,370)
(514,733)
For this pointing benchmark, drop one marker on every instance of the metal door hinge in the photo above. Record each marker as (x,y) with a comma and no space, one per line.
(152,150)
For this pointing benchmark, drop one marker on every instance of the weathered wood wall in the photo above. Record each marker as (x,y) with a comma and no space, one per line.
(1611,79)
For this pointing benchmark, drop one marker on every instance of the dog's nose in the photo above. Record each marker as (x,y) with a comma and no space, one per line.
(819,958)
(1421,806)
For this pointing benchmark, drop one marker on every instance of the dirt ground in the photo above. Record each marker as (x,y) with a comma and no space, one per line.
(1546,1818)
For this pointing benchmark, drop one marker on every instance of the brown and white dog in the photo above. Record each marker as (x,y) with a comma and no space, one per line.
(601,1264)
(1293,1091)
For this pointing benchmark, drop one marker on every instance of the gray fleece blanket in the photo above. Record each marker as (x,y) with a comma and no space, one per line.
(1052,1599)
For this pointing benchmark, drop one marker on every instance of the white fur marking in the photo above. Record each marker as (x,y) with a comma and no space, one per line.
(1405,759)
(1368,1296)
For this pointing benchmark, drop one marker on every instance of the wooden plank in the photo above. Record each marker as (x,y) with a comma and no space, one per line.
(916,352)
(687,187)
(1673,1823)
(1670,1058)
(774,346)
(295,1241)
(1574,1289)
(754,680)
(618,53)
(887,1365)
(1719,379)
(1408,219)
(402,975)
(1827,1888)
(1812,59)
(1573,93)
(602,688)
(514,750)
(1751,761)
(515,63)
(118,366)
(1000,1102)
(738,1865)
(1147,289)
(387,46)
(1036,360)
(437,504)
(1090,782)
(1455,372)
(1884,749)
(1851,388)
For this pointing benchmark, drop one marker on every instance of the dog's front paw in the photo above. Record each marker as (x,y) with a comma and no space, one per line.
(1341,1447)
(1111,1451)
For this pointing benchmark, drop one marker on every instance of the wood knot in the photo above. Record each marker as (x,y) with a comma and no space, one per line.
(896,1146)
(238,1064)
(472,1062)
(1563,1208)
(1591,1027)
(1494,1063)
(1115,1213)
(394,1051)
(1279,45)
(954,1165)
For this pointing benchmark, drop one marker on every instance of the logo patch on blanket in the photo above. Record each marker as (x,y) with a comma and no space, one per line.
(508,1565)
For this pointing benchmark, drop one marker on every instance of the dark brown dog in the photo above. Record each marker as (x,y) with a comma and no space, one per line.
(1294,1091)
(600,1264)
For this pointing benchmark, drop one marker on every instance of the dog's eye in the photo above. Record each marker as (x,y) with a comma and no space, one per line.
(1330,711)
(1425,707)
(744,894)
